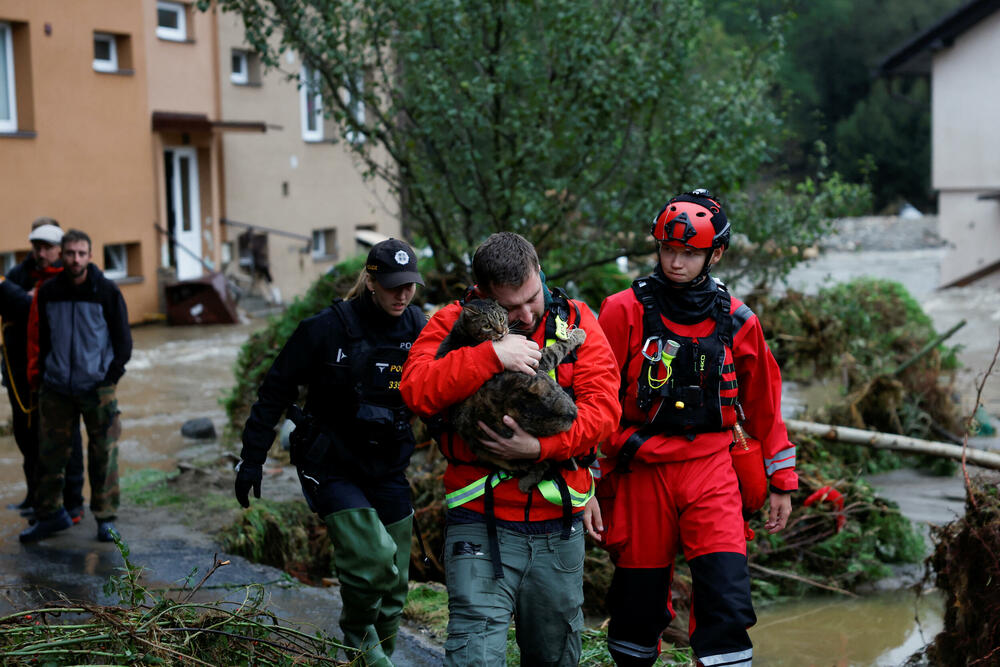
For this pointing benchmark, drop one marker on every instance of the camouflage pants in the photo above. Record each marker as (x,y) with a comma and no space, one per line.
(59,416)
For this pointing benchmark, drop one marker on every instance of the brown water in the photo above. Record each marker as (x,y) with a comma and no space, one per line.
(883,629)
(175,374)
(179,373)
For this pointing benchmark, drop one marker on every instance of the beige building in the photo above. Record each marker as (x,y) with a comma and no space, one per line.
(961,53)
(299,177)
(75,138)
(127,119)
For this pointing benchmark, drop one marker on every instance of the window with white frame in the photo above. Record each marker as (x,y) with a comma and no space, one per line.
(171,21)
(115,261)
(311,103)
(354,101)
(240,69)
(324,244)
(8,100)
(8,260)
(105,53)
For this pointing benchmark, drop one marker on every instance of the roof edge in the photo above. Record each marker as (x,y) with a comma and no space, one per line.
(941,34)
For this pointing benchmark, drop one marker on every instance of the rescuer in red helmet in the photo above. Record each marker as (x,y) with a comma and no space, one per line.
(693,362)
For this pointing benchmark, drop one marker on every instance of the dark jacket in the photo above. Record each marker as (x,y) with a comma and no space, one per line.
(14,301)
(84,338)
(341,370)
(15,325)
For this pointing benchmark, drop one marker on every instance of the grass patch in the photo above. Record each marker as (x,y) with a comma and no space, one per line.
(286,535)
(594,651)
(427,604)
(151,488)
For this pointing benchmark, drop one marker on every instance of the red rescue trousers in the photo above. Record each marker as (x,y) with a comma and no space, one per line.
(649,513)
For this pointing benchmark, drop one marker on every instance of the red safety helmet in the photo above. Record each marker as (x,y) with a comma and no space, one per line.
(694,219)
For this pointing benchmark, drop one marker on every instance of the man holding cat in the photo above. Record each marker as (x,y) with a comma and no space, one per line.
(513,554)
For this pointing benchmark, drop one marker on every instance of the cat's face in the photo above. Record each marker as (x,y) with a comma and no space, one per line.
(484,319)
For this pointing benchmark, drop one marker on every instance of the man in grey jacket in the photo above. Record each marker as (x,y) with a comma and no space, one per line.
(84,341)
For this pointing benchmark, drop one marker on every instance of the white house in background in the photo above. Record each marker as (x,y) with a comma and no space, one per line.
(961,53)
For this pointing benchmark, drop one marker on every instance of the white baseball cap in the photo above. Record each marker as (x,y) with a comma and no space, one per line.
(47,234)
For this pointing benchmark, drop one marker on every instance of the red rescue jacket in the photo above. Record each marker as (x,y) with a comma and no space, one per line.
(758,381)
(430,386)
(34,372)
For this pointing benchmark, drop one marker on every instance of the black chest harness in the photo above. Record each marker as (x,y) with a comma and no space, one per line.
(691,377)
(376,366)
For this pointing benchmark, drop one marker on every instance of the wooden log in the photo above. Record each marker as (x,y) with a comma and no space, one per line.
(900,443)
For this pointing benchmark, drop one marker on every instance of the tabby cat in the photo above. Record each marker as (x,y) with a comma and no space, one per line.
(536,402)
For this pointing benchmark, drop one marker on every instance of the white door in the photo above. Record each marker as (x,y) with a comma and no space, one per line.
(184,210)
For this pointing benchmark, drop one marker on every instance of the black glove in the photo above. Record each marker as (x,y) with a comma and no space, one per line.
(248,475)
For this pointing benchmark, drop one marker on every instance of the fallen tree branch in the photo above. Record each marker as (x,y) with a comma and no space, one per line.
(796,577)
(900,443)
(968,424)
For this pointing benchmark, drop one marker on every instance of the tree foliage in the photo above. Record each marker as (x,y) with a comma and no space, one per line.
(827,78)
(567,121)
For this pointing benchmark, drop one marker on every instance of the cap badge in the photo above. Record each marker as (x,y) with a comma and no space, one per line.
(402,258)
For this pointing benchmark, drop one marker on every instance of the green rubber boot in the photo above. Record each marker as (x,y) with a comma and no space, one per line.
(363,554)
(391,612)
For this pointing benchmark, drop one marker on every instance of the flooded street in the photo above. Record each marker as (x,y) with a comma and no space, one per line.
(175,374)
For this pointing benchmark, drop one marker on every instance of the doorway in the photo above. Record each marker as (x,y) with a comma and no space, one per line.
(184,251)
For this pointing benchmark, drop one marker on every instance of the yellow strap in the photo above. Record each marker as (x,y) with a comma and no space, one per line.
(10,373)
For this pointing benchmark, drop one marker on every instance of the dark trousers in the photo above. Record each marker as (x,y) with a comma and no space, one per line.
(25,426)
(60,417)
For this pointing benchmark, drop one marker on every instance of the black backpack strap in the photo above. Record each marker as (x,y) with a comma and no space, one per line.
(632,445)
(471,292)
(491,527)
(652,327)
(349,318)
(723,318)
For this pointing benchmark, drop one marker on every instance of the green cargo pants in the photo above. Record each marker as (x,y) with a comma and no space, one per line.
(59,415)
(542,589)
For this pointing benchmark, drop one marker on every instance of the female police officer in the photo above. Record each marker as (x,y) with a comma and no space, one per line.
(353,440)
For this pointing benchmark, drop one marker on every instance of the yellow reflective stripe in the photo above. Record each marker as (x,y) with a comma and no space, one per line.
(562,333)
(548,489)
(562,328)
(474,490)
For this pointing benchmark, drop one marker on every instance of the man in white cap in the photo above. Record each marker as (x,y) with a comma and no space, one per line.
(41,264)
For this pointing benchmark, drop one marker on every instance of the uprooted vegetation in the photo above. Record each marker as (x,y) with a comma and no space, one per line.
(872,340)
(163,628)
(966,566)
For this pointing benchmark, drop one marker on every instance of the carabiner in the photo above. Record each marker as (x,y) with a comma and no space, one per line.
(659,349)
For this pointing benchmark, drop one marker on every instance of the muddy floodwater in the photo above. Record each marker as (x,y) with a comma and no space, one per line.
(882,629)
(175,374)
(179,373)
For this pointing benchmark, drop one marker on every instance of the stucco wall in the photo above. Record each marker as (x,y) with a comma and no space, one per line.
(324,187)
(972,228)
(966,148)
(88,163)
(965,108)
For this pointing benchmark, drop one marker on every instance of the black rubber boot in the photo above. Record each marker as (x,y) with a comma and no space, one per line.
(46,527)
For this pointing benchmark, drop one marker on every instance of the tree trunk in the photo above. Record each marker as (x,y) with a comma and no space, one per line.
(897,442)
